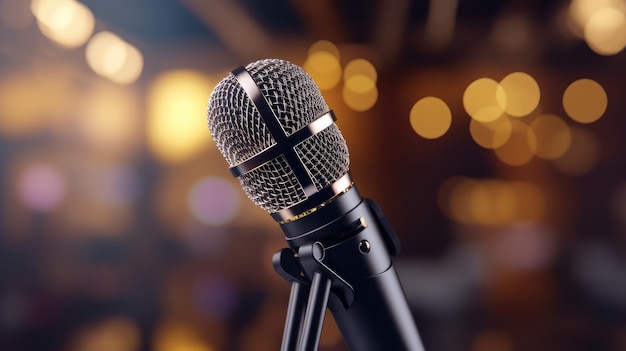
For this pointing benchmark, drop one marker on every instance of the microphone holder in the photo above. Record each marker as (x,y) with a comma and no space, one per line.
(306,309)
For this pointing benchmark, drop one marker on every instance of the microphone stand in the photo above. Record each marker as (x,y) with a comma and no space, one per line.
(378,318)
(306,309)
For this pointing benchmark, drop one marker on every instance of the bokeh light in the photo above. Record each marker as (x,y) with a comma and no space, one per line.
(214,201)
(520,148)
(177,127)
(360,92)
(519,94)
(430,117)
(324,46)
(360,66)
(41,187)
(118,333)
(482,101)
(112,57)
(585,101)
(109,118)
(605,31)
(175,335)
(580,12)
(68,23)
(491,135)
(324,68)
(553,136)
(22,115)
(582,155)
(490,202)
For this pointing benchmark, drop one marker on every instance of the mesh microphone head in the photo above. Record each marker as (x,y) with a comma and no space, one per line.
(240,133)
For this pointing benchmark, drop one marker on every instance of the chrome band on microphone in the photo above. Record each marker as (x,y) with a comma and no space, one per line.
(284,143)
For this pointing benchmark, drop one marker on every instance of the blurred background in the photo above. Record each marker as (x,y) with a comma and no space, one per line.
(490,132)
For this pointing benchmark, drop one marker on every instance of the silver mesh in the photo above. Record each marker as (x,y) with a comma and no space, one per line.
(240,133)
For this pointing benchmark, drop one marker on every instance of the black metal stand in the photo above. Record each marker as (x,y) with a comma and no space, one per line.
(306,309)
(345,265)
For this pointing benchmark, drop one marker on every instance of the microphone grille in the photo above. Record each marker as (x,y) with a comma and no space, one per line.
(240,132)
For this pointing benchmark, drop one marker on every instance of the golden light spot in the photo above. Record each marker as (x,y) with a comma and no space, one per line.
(491,135)
(521,146)
(490,202)
(21,114)
(430,117)
(324,68)
(582,155)
(505,202)
(605,31)
(113,58)
(460,204)
(360,84)
(68,23)
(362,67)
(177,115)
(324,46)
(530,199)
(519,94)
(553,136)
(481,102)
(479,203)
(109,118)
(179,336)
(444,194)
(585,101)
(360,93)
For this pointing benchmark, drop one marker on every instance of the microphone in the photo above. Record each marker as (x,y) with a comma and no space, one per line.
(275,130)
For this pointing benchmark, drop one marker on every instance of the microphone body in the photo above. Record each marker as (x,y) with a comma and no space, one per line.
(358,243)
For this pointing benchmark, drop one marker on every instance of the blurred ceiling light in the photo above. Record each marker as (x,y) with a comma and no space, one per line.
(176,126)
(519,94)
(585,101)
(553,136)
(41,187)
(605,31)
(582,155)
(491,135)
(16,14)
(521,146)
(430,117)
(109,118)
(324,68)
(482,100)
(112,57)
(68,23)
(214,201)
(360,92)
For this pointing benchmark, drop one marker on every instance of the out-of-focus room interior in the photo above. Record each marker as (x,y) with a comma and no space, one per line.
(488,131)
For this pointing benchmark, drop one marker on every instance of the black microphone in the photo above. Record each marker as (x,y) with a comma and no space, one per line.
(274,128)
